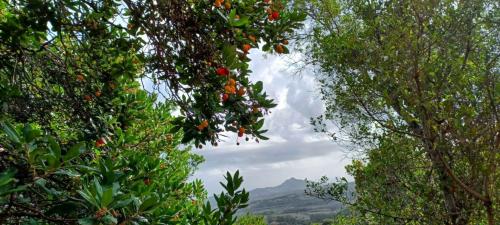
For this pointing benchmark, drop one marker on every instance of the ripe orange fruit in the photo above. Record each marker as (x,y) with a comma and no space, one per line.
(246,48)
(231,82)
(203,125)
(241,131)
(230,89)
(241,91)
(279,49)
(218,3)
(98,93)
(87,98)
(227,5)
(285,42)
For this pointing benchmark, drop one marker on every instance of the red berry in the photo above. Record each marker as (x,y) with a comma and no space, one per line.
(222,71)
(100,142)
(225,97)
(275,15)
(147,181)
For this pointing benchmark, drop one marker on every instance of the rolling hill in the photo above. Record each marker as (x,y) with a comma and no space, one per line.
(287,204)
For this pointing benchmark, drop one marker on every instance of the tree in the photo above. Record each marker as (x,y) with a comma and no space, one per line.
(196,50)
(83,141)
(426,73)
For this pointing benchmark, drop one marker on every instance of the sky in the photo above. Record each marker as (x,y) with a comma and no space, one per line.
(293,150)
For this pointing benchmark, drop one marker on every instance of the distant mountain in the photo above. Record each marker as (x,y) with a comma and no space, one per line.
(288,204)
(289,186)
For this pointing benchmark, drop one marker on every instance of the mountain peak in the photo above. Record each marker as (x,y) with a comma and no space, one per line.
(293,183)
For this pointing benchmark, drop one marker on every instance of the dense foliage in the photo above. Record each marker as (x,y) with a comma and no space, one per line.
(414,85)
(82,140)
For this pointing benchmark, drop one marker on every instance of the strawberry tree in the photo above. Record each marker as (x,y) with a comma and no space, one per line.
(206,66)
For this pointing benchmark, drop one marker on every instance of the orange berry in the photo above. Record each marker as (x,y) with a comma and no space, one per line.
(241,131)
(227,5)
(285,42)
(246,48)
(87,98)
(203,125)
(279,49)
(218,3)
(98,93)
(241,91)
(230,89)
(231,82)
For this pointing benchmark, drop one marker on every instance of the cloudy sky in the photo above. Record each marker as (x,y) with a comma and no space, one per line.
(294,149)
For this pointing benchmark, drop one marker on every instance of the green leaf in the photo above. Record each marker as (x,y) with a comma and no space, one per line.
(229,55)
(259,124)
(10,131)
(7,176)
(86,195)
(87,221)
(257,87)
(149,203)
(243,21)
(54,148)
(69,173)
(74,151)
(107,197)
(109,219)
(122,203)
